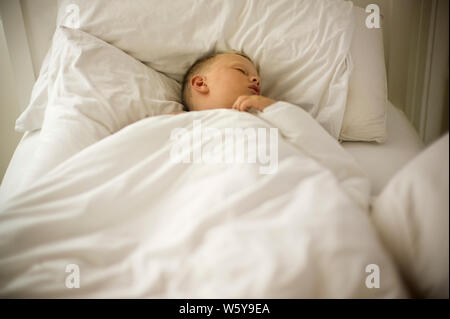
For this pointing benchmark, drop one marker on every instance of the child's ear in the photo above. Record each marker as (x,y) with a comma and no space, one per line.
(198,83)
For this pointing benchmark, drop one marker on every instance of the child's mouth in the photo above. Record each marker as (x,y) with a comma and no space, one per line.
(254,89)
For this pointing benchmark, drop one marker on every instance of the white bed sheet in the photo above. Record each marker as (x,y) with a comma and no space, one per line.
(379,161)
(382,161)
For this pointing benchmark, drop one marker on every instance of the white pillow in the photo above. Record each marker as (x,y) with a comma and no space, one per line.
(94,90)
(412,216)
(301,47)
(365,115)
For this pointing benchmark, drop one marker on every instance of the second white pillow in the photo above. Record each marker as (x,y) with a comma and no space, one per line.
(365,114)
(94,90)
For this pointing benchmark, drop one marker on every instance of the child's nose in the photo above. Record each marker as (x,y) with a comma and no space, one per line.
(255,80)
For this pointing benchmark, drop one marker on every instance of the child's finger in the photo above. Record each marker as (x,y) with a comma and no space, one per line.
(250,102)
(237,104)
(245,103)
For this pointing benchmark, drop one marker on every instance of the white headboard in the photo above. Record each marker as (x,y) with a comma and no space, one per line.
(415,41)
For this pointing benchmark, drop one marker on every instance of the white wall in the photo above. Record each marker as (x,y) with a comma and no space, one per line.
(417,60)
(25,36)
(40,23)
(18,48)
(433,117)
(9,107)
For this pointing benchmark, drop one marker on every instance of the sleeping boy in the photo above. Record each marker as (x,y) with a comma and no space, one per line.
(223,80)
(230,80)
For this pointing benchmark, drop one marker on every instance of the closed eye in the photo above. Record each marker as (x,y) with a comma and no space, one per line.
(243,71)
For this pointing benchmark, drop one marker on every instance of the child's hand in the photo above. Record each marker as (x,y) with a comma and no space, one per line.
(258,102)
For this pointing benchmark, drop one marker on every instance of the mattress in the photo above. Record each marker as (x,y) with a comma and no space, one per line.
(382,161)
(379,161)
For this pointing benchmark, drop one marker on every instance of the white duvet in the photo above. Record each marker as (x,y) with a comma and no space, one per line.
(139,225)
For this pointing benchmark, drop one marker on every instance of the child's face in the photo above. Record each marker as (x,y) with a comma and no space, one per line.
(228,77)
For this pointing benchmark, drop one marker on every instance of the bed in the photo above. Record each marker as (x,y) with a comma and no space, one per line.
(402,145)
(93,206)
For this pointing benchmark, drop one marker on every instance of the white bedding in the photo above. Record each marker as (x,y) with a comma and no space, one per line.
(412,217)
(382,161)
(379,161)
(142,226)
